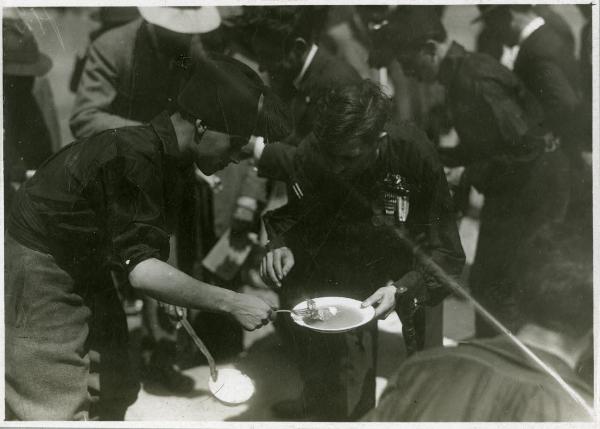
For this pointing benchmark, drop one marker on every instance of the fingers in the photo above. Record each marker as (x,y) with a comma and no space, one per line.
(288,263)
(252,312)
(275,265)
(271,271)
(277,256)
(383,300)
(373,299)
(387,306)
(181,312)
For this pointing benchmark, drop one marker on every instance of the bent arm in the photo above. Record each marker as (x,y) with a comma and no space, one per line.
(163,282)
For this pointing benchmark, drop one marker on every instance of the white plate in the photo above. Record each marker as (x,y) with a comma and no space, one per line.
(366,313)
(231,387)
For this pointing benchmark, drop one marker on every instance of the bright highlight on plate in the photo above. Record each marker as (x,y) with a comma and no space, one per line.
(343,314)
(232,386)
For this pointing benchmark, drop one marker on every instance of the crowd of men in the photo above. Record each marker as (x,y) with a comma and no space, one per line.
(174,103)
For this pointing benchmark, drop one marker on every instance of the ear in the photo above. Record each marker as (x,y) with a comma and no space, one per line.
(300,46)
(429,48)
(201,129)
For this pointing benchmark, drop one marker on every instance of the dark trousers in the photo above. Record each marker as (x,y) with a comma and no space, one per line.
(338,371)
(66,342)
(508,218)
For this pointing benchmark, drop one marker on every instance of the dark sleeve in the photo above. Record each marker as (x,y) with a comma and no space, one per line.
(432,219)
(515,133)
(135,210)
(287,163)
(277,162)
(552,87)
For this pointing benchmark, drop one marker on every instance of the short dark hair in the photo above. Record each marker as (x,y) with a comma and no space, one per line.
(554,286)
(353,111)
(283,23)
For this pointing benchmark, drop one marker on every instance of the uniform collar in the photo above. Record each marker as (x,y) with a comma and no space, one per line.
(163,127)
(530,28)
(307,62)
(454,56)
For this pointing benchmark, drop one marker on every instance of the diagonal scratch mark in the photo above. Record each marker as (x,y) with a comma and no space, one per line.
(22,15)
(55,28)
(39,21)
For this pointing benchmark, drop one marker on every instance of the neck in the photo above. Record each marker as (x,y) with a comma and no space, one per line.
(442,49)
(565,347)
(301,72)
(184,131)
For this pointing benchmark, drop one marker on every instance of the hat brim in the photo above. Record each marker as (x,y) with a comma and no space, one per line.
(39,68)
(179,20)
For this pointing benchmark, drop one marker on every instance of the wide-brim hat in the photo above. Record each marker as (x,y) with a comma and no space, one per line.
(188,20)
(21,54)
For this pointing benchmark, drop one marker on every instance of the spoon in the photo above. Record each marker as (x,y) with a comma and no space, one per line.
(228,385)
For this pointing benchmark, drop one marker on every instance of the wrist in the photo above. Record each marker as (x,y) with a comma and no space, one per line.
(407,282)
(259,147)
(248,203)
(228,300)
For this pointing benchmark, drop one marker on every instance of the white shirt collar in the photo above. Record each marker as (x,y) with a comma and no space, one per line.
(309,59)
(530,28)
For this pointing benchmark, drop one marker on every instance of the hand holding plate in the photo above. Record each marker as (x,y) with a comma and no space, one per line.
(383,300)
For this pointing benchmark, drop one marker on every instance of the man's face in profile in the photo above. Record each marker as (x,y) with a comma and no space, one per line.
(277,59)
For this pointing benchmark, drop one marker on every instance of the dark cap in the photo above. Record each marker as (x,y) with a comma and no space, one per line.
(411,24)
(499,11)
(225,94)
(21,54)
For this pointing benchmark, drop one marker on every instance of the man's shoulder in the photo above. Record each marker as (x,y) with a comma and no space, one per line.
(119,39)
(544,43)
(479,67)
(132,141)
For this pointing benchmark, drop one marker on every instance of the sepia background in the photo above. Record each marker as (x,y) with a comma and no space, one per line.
(63,34)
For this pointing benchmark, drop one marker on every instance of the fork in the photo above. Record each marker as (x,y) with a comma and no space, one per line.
(302,312)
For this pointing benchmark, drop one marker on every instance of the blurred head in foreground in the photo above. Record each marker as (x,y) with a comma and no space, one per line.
(554,276)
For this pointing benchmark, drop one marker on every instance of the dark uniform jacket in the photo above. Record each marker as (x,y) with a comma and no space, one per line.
(341,241)
(510,159)
(107,199)
(490,39)
(127,81)
(480,381)
(495,118)
(547,67)
(99,203)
